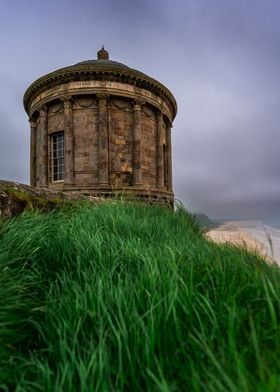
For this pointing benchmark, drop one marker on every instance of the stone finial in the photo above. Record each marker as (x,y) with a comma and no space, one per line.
(102,54)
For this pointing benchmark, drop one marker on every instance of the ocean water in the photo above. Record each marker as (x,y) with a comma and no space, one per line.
(267,232)
(273,222)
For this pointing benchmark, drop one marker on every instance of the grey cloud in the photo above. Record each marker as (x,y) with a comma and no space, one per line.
(221,60)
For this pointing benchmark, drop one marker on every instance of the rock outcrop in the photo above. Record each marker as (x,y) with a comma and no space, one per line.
(15,198)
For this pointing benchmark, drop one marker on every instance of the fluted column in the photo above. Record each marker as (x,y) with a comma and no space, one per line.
(169,156)
(69,141)
(160,155)
(137,145)
(32,152)
(103,132)
(42,149)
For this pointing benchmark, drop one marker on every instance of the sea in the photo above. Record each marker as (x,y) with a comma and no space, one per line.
(273,222)
(266,231)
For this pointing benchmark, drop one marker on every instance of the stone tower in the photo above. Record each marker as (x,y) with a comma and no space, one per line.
(101,128)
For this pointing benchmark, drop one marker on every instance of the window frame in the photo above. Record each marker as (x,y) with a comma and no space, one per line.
(57,175)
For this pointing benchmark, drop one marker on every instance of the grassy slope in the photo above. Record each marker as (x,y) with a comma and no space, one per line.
(129,297)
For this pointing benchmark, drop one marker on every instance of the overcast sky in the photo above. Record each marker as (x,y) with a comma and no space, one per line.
(220,59)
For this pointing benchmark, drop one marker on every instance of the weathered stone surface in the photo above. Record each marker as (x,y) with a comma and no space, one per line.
(115,123)
(15,198)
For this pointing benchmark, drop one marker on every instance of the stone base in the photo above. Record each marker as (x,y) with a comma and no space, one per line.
(151,196)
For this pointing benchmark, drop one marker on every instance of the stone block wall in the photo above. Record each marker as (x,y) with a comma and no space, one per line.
(85,129)
(149,160)
(120,143)
(113,143)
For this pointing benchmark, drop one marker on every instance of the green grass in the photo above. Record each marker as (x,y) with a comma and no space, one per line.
(124,297)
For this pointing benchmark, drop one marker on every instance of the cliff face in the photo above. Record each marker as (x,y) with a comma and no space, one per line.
(15,197)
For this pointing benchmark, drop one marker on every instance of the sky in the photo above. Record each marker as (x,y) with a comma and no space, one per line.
(220,59)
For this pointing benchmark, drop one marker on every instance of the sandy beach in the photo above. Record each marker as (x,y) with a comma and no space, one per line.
(252,233)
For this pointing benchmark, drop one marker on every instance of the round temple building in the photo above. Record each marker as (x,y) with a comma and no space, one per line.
(101,128)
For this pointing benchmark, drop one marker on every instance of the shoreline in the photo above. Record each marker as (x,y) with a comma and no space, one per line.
(253,234)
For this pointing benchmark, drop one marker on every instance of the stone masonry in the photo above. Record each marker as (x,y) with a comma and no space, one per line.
(116,126)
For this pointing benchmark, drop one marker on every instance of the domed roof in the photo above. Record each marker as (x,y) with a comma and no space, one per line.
(103,60)
(98,69)
(102,63)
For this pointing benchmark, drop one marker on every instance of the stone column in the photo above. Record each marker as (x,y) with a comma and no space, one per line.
(103,132)
(42,149)
(169,156)
(69,141)
(32,152)
(137,147)
(160,156)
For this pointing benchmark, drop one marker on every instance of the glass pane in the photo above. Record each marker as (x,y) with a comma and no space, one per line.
(58,157)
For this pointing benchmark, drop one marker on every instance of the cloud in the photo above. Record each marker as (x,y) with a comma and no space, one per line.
(220,59)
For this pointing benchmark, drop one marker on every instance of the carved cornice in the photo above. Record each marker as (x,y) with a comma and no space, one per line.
(113,73)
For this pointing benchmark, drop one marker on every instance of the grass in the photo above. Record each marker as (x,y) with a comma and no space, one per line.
(127,297)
